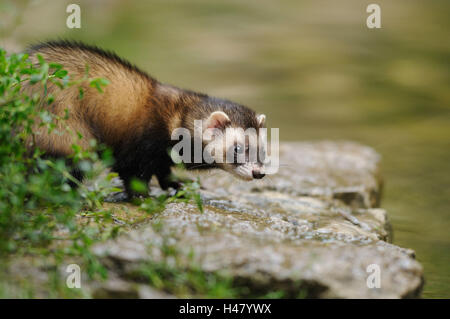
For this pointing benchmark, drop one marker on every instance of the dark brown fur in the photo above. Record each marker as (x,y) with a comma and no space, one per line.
(134,116)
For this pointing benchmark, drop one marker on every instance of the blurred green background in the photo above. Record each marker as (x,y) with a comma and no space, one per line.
(314,68)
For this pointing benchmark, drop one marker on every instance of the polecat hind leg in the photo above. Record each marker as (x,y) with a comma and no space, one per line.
(166,179)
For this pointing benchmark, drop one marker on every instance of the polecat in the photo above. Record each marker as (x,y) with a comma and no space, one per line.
(135,115)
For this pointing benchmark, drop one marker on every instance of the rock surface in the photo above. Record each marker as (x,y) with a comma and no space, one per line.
(311,230)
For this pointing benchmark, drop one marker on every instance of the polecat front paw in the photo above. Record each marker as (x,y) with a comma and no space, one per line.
(172,182)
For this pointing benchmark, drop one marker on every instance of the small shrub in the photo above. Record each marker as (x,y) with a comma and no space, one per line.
(40,213)
(37,205)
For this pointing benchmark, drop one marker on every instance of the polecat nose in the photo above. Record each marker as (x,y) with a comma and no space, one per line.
(257,175)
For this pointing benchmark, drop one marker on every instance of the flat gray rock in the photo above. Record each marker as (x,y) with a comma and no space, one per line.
(342,170)
(312,230)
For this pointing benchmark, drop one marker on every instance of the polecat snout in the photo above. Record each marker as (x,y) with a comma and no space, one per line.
(136,116)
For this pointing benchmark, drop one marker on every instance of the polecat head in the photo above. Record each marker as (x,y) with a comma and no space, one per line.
(234,141)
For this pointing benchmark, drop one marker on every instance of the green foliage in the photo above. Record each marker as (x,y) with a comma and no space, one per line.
(37,203)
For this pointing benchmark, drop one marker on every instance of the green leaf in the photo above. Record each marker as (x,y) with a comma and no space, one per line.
(61,73)
(41,59)
(198,201)
(56,66)
(80,93)
(50,99)
(98,83)
(138,186)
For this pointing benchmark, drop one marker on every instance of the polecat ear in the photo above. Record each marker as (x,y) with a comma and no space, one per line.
(217,119)
(261,118)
